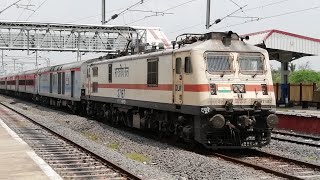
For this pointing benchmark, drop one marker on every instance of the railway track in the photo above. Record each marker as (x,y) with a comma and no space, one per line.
(68,159)
(274,164)
(299,138)
(78,163)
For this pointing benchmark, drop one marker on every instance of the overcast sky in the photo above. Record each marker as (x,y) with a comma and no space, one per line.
(189,17)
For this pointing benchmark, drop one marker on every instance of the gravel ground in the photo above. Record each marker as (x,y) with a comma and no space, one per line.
(292,150)
(152,159)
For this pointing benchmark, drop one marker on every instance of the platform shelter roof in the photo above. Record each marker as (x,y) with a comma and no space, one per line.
(276,41)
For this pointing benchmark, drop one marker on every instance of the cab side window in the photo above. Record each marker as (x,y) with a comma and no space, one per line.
(187,65)
(110,73)
(152,76)
(178,66)
(95,71)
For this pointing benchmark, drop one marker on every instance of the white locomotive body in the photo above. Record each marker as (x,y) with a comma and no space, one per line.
(217,91)
(214,89)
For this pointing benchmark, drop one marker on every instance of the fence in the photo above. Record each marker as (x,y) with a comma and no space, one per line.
(296,93)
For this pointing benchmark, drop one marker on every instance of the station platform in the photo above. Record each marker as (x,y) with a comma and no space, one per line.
(18,160)
(300,120)
(298,111)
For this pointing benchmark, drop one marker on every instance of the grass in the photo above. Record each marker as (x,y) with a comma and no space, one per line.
(114,145)
(90,136)
(137,157)
(312,158)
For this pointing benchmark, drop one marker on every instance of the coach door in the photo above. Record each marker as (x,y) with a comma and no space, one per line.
(72,83)
(17,83)
(178,80)
(51,82)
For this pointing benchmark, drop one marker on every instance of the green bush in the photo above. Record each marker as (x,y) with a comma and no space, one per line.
(304,76)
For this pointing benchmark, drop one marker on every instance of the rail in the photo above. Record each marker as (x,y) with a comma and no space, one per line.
(108,163)
(286,167)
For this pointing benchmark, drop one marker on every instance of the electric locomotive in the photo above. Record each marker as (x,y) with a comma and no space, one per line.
(213,89)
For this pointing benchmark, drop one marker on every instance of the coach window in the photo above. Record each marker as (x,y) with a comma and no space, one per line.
(110,73)
(22,82)
(95,71)
(29,82)
(152,76)
(178,66)
(187,65)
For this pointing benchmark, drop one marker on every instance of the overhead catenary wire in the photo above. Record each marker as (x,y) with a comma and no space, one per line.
(36,9)
(250,9)
(266,5)
(179,5)
(162,12)
(269,17)
(241,8)
(149,11)
(219,20)
(10,6)
(125,10)
(215,22)
(23,11)
(88,17)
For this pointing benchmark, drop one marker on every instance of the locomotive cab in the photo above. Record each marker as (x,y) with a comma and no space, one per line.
(233,89)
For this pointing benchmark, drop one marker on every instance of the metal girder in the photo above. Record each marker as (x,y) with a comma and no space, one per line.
(67,37)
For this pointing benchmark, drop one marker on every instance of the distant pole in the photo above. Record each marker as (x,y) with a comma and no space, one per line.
(14,65)
(37,59)
(2,62)
(208,14)
(21,66)
(48,62)
(103,12)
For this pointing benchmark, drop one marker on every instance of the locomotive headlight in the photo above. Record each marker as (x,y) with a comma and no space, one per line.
(272,120)
(239,88)
(217,121)
(264,88)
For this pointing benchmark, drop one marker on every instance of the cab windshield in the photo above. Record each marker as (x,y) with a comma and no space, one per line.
(219,63)
(251,63)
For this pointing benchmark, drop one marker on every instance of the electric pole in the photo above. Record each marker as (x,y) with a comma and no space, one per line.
(2,64)
(103,12)
(37,59)
(208,14)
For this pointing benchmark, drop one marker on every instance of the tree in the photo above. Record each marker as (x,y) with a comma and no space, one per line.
(304,66)
(292,67)
(304,76)
(275,74)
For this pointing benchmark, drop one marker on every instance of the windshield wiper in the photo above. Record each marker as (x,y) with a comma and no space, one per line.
(221,75)
(253,76)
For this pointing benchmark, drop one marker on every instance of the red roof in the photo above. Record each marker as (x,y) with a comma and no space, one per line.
(271,31)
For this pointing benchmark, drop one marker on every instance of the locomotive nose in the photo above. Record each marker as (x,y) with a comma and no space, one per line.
(217,121)
(272,120)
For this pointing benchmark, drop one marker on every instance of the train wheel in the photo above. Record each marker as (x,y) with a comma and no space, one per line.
(115,117)
(108,115)
(122,119)
(129,119)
